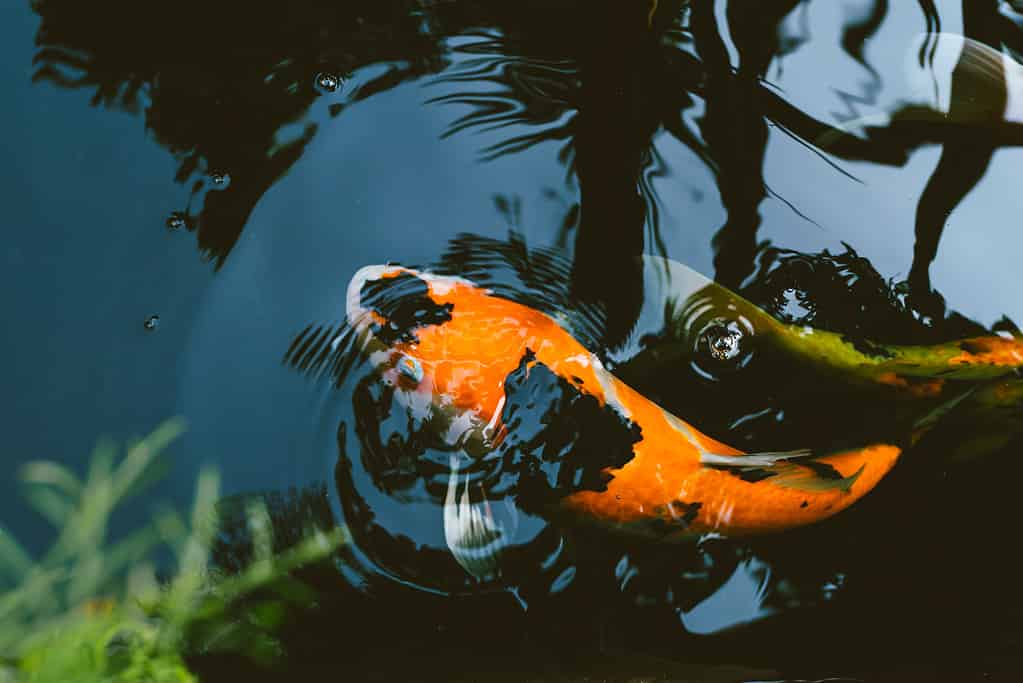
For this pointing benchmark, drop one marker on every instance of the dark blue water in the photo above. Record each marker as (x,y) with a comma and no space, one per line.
(584,132)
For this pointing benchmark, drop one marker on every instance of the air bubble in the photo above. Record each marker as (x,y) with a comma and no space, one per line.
(723,341)
(722,346)
(326,82)
(176,221)
(151,323)
(220,181)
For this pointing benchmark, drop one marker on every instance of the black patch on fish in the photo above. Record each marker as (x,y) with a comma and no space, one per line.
(577,380)
(755,474)
(973,347)
(867,347)
(692,509)
(662,526)
(804,504)
(404,302)
(751,475)
(559,438)
(822,470)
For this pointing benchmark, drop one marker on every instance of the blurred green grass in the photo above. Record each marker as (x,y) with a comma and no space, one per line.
(91,607)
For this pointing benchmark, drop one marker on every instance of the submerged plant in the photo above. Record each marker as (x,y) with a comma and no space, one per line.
(93,610)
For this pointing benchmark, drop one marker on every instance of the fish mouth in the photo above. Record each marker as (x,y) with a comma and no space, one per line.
(474,535)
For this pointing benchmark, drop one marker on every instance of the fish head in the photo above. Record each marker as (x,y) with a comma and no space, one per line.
(391,302)
(388,307)
(408,414)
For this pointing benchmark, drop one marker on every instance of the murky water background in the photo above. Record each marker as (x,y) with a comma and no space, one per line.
(187,188)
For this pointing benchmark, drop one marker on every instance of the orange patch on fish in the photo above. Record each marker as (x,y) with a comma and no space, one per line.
(989,351)
(916,386)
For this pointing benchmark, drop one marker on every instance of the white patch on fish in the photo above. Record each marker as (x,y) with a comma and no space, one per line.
(359,317)
(683,429)
(488,431)
(579,359)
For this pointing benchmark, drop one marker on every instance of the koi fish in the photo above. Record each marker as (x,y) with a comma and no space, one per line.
(447,345)
(691,302)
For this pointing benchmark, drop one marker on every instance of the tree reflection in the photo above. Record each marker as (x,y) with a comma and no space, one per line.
(224,100)
(217,97)
(734,129)
(965,155)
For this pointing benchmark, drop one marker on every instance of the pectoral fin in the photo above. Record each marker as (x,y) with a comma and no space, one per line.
(762,459)
(798,469)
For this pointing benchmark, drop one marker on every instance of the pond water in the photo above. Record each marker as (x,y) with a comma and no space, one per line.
(189,188)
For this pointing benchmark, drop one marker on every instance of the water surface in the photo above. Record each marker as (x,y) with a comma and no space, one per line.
(229,168)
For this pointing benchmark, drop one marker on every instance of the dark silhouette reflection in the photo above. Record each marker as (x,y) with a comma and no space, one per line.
(606,110)
(734,129)
(616,119)
(964,157)
(605,105)
(224,104)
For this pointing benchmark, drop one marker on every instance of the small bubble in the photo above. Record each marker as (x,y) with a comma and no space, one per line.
(151,323)
(327,82)
(723,341)
(176,221)
(722,346)
(220,180)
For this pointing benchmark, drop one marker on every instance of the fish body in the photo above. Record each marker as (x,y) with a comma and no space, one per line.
(445,342)
(688,302)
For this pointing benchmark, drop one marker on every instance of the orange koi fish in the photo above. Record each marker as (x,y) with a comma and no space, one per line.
(448,344)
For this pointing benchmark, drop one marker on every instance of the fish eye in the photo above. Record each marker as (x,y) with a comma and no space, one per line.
(411,369)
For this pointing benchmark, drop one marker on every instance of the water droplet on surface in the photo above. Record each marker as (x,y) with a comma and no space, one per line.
(151,323)
(220,180)
(327,82)
(723,340)
(562,581)
(176,221)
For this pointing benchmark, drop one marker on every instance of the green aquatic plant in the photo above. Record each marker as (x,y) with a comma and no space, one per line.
(90,609)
